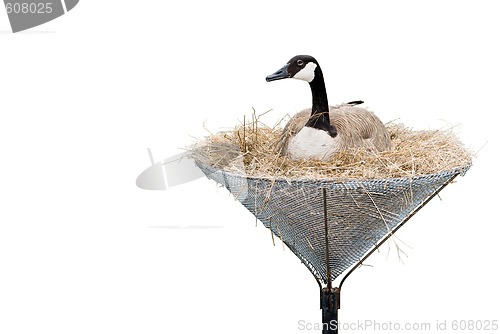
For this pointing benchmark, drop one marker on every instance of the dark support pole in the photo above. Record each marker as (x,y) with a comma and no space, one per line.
(330,300)
(327,247)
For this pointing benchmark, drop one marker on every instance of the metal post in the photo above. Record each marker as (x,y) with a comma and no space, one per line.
(330,298)
(330,303)
(327,247)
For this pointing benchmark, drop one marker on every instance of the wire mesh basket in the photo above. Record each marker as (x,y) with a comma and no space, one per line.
(332,224)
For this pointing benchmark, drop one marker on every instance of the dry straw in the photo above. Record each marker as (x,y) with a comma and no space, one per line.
(249,149)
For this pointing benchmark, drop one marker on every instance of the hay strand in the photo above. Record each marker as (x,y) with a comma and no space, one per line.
(413,153)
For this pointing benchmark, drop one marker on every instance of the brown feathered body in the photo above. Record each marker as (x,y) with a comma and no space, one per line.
(356,128)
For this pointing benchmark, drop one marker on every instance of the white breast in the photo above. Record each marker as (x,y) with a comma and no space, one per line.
(312,143)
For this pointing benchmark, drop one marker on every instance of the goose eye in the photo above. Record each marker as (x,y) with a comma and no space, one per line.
(300,62)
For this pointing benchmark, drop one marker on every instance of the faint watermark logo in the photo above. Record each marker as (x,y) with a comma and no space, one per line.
(182,168)
(26,14)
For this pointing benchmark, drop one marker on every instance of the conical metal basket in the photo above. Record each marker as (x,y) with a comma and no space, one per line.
(332,224)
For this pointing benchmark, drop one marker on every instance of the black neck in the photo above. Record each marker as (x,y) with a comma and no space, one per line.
(320,116)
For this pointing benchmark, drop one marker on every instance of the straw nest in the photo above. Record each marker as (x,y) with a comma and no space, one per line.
(249,149)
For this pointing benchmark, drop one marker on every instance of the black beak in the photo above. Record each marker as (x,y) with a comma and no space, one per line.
(279,74)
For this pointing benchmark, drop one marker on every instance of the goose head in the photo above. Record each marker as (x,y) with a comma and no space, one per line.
(300,67)
(306,68)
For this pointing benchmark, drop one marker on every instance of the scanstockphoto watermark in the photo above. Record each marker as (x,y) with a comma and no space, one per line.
(363,325)
(374,325)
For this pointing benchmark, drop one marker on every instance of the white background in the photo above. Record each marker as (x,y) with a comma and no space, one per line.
(82,250)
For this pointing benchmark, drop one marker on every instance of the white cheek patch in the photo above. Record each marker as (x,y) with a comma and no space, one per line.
(307,73)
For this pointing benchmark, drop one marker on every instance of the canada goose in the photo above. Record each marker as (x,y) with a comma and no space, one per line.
(311,134)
